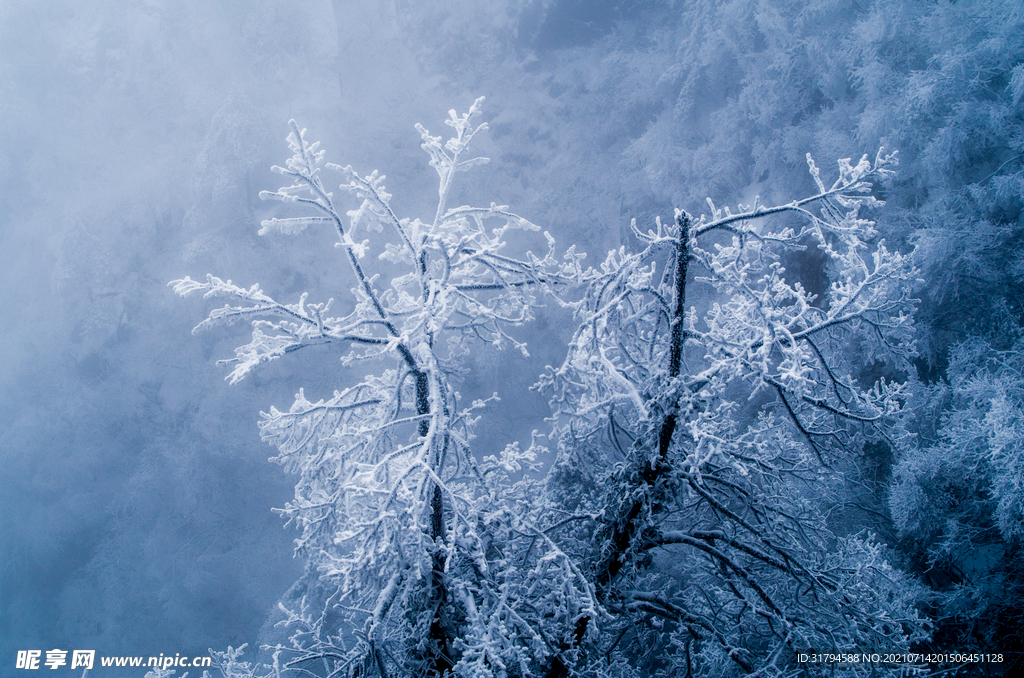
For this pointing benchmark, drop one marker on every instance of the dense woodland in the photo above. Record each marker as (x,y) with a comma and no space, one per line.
(614,372)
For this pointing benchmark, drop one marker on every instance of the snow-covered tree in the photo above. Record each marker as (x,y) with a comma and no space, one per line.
(396,515)
(711,398)
(958,499)
(684,524)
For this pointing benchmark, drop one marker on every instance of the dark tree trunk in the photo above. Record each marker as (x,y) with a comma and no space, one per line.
(626,529)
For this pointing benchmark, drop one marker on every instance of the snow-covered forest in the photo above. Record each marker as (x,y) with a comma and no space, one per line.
(585,338)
